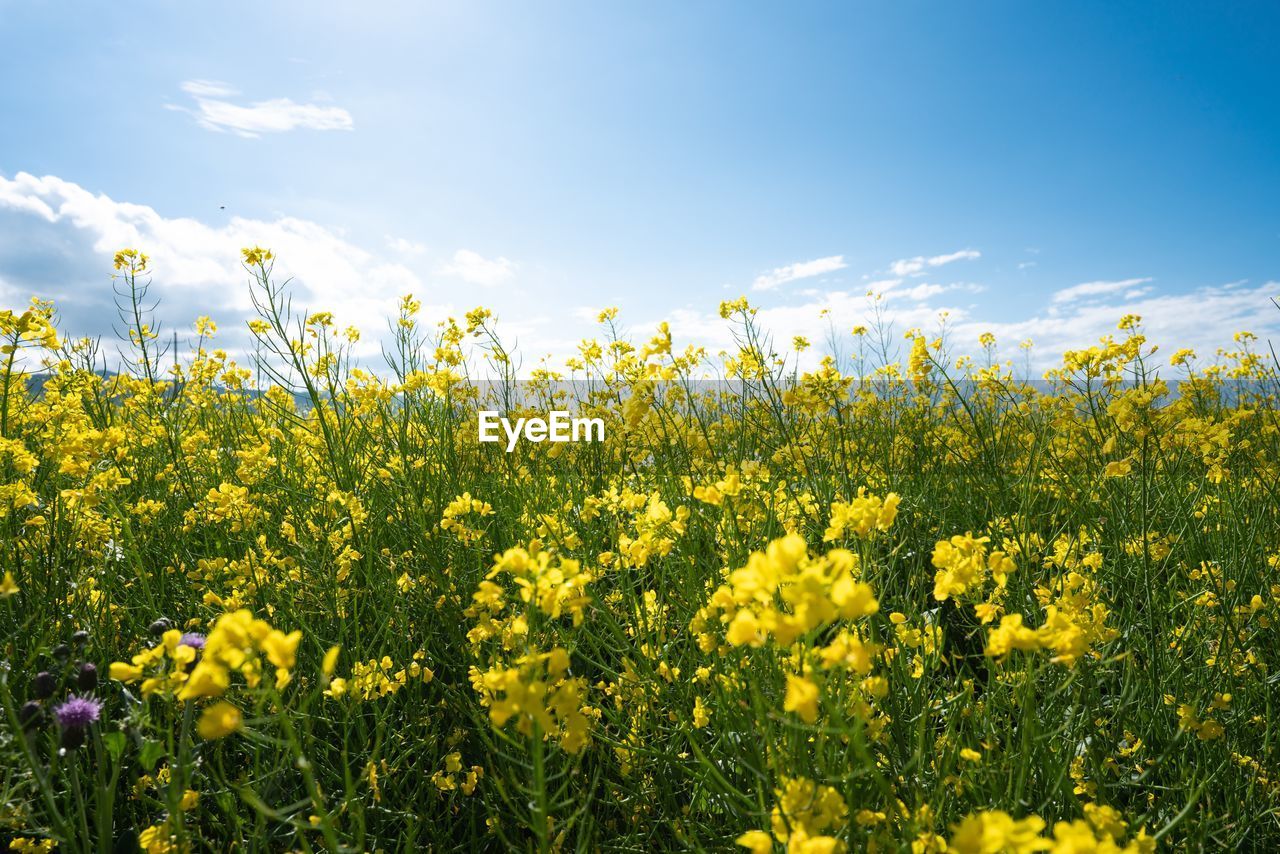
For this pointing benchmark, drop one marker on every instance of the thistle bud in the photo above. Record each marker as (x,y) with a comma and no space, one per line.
(31,715)
(87,676)
(44,685)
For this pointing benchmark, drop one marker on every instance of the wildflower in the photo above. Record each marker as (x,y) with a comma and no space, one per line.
(994,831)
(1118,468)
(805,810)
(195,640)
(701,714)
(1011,635)
(8,587)
(330,662)
(158,839)
(77,712)
(219,720)
(74,716)
(863,515)
(963,562)
(124,672)
(256,256)
(802,698)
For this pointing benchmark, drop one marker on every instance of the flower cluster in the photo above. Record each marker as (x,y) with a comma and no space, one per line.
(539,694)
(783,593)
(237,643)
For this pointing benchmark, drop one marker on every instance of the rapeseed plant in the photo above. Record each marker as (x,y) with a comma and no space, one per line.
(919,603)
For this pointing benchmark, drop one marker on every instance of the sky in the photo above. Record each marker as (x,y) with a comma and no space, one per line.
(1036,170)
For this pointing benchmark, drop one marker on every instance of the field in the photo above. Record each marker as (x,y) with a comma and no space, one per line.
(909,600)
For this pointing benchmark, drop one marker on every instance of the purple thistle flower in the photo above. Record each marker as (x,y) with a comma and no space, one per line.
(77,712)
(195,640)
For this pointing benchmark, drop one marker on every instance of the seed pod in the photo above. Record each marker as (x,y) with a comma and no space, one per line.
(44,685)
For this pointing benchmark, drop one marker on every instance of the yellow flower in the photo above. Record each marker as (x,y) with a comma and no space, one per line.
(219,720)
(8,587)
(744,629)
(1118,468)
(701,714)
(157,839)
(802,698)
(281,648)
(756,841)
(123,672)
(208,679)
(256,256)
(996,831)
(330,661)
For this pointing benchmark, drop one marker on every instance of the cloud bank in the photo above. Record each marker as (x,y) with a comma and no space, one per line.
(57,239)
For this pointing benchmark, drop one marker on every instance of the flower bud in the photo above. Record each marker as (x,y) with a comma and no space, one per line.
(80,638)
(160,626)
(44,685)
(62,652)
(31,715)
(87,676)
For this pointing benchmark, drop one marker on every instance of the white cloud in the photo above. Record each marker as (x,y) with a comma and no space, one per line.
(475,268)
(405,246)
(214,110)
(208,89)
(802,270)
(921,293)
(1099,288)
(57,240)
(916,266)
(1203,319)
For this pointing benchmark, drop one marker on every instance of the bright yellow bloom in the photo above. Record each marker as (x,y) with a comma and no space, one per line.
(219,720)
(802,698)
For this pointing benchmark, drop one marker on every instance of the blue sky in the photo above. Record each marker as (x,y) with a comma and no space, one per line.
(1035,169)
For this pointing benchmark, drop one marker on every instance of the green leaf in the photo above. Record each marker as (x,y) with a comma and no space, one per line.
(152,751)
(114,742)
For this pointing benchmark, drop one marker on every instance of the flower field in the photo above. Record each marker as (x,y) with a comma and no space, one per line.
(904,600)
